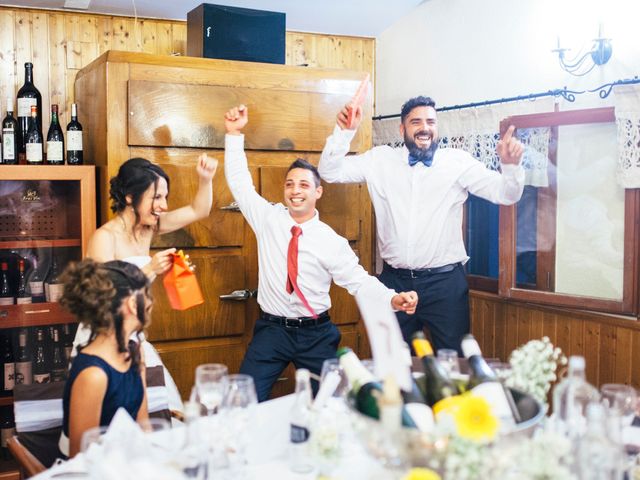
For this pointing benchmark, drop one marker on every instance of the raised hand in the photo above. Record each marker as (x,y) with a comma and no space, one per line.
(343,117)
(509,148)
(236,119)
(405,302)
(206,167)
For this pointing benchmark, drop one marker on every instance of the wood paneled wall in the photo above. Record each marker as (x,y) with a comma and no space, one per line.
(61,43)
(609,343)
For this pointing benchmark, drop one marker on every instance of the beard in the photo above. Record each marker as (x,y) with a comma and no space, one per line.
(421,153)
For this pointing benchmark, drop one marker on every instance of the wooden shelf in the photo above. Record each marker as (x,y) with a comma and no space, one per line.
(66,242)
(33,315)
(6,401)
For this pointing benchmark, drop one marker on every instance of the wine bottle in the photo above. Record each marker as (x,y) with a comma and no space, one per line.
(36,283)
(28,96)
(6,294)
(33,140)
(363,384)
(53,287)
(75,154)
(41,371)
(7,430)
(24,365)
(299,449)
(437,384)
(69,335)
(59,367)
(22,294)
(484,382)
(10,133)
(9,366)
(55,140)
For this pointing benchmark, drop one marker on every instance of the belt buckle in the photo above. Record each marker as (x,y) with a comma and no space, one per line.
(287,323)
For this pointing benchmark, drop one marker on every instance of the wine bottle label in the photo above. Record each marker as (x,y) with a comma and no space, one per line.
(46,292)
(74,140)
(42,378)
(55,291)
(493,393)
(54,152)
(9,375)
(58,374)
(37,288)
(8,153)
(299,434)
(34,153)
(23,300)
(5,435)
(24,373)
(6,300)
(24,106)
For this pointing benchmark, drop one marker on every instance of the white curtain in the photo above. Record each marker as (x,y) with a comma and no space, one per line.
(627,108)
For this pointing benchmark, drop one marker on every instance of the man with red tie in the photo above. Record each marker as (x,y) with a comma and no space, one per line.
(298,258)
(417,192)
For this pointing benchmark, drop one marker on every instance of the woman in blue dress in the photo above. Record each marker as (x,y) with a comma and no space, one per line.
(113,300)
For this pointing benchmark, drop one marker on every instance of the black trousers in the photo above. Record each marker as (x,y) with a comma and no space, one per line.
(443,304)
(274,346)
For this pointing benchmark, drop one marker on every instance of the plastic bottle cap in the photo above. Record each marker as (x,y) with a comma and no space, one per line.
(470,346)
(303,374)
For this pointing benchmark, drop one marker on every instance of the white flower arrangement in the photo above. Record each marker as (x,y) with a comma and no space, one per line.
(534,368)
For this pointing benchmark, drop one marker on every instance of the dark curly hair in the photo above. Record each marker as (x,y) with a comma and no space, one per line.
(94,292)
(413,103)
(134,177)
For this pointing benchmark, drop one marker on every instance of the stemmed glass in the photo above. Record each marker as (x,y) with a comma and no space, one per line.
(621,397)
(237,410)
(211,385)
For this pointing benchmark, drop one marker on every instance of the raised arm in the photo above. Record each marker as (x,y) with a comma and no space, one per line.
(236,170)
(335,166)
(200,207)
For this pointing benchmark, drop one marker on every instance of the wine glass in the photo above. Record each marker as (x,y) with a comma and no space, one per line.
(333,365)
(237,410)
(622,398)
(211,385)
(448,358)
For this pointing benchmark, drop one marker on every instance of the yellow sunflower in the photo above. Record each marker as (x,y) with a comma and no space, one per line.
(474,419)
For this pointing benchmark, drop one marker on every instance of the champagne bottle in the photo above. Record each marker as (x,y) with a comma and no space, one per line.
(484,382)
(437,384)
(9,366)
(363,384)
(22,295)
(33,140)
(41,371)
(53,287)
(55,140)
(59,367)
(299,449)
(75,154)
(36,283)
(28,96)
(10,134)
(6,294)
(24,365)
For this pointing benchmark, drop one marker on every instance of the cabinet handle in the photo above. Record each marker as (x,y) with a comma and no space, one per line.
(232,207)
(30,312)
(239,295)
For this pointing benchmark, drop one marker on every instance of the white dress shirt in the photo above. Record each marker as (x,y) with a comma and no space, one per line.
(418,209)
(323,255)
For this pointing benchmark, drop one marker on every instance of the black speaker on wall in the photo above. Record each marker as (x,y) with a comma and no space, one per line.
(233,33)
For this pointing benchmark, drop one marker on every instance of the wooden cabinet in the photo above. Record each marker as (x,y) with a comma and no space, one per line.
(169,110)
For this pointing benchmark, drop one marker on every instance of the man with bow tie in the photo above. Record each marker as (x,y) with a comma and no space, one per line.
(418,192)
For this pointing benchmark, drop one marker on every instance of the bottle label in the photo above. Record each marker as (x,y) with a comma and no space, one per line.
(54,152)
(37,288)
(74,140)
(299,434)
(58,374)
(8,153)
(42,378)
(5,435)
(9,375)
(24,106)
(6,300)
(23,300)
(55,291)
(493,393)
(24,373)
(34,153)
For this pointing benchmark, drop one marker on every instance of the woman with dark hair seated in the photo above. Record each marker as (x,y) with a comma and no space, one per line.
(113,300)
(139,200)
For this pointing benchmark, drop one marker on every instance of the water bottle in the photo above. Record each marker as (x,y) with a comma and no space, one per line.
(300,460)
(599,457)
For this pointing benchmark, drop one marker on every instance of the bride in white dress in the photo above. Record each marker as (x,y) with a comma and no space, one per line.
(139,199)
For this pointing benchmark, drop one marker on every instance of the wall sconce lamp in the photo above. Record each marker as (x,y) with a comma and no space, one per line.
(599,54)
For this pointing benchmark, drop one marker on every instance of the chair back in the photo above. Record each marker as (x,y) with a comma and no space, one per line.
(157,393)
(29,464)
(38,414)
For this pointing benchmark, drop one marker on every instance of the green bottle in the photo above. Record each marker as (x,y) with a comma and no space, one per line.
(436,382)
(365,388)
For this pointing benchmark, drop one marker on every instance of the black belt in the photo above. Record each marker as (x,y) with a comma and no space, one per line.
(298,322)
(421,272)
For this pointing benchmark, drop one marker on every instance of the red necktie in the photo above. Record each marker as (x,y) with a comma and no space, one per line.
(292,268)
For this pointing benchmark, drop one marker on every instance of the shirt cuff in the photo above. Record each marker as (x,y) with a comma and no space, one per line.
(234,142)
(343,136)
(511,170)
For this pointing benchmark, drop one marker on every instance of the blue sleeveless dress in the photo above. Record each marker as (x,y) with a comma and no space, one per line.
(123,389)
